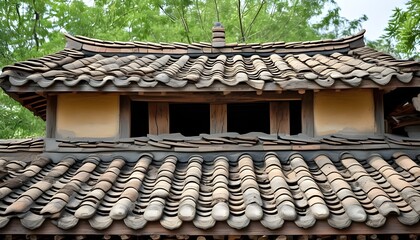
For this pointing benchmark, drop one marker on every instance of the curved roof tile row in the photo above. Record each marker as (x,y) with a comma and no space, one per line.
(72,68)
(269,190)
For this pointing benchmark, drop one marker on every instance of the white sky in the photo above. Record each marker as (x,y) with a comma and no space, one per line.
(377,11)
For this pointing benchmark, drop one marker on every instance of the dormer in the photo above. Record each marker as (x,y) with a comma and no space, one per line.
(111,90)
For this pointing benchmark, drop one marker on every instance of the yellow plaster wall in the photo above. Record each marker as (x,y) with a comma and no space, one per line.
(87,115)
(345,111)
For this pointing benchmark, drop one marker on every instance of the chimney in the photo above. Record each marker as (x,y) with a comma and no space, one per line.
(218,35)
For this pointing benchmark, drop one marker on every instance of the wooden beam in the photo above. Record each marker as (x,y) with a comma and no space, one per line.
(308,113)
(125,116)
(51,116)
(391,227)
(34,101)
(279,117)
(218,118)
(43,105)
(158,118)
(216,97)
(378,97)
(27,96)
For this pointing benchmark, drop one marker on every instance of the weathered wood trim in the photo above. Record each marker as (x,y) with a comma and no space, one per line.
(125,116)
(51,122)
(158,118)
(279,117)
(218,118)
(216,97)
(215,87)
(392,226)
(308,113)
(378,98)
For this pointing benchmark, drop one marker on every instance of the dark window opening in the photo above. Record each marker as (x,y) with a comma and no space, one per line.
(295,111)
(399,112)
(139,119)
(248,117)
(189,119)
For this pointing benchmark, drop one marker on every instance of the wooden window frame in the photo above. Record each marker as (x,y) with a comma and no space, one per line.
(218,118)
(51,121)
(125,117)
(279,109)
(378,101)
(158,118)
(279,117)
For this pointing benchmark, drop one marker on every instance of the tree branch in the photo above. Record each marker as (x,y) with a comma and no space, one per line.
(173,19)
(199,15)
(184,23)
(35,35)
(255,18)
(241,27)
(288,20)
(18,12)
(217,11)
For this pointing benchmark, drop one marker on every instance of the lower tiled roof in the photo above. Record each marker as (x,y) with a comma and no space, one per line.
(22,145)
(235,188)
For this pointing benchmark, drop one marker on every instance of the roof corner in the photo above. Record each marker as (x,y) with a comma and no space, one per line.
(72,42)
(357,40)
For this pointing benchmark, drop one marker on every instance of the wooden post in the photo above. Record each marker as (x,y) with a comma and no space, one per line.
(158,118)
(218,118)
(279,117)
(51,116)
(308,113)
(125,117)
(378,98)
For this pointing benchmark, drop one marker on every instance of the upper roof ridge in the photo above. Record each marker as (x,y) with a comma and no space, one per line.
(115,47)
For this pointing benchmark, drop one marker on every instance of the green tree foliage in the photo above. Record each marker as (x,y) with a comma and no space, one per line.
(402,37)
(404,27)
(32,28)
(16,121)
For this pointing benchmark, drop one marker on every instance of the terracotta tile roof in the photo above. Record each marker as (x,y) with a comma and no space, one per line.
(21,145)
(339,187)
(238,142)
(306,65)
(290,72)
(94,65)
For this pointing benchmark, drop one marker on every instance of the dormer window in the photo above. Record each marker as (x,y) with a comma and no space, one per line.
(271,115)
(248,117)
(190,119)
(139,119)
